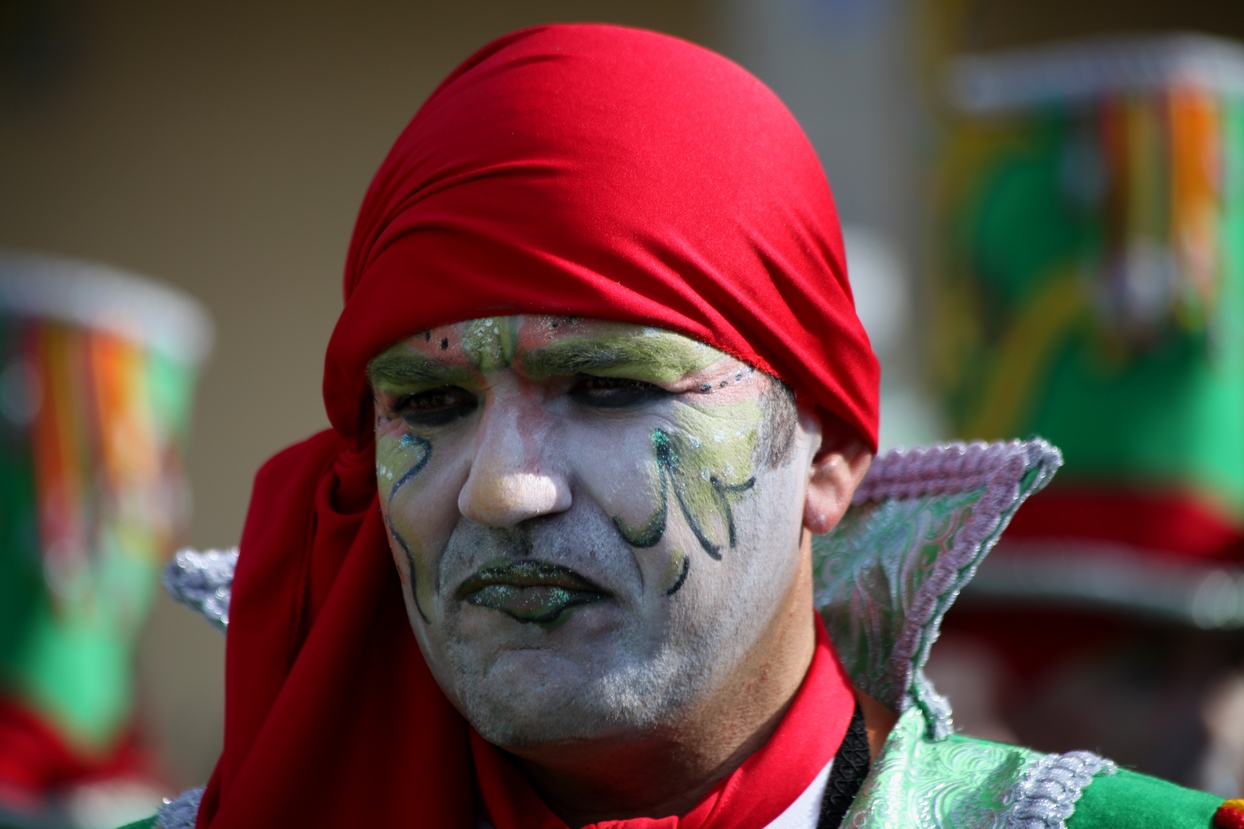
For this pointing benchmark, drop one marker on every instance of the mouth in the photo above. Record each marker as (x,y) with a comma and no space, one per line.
(529,591)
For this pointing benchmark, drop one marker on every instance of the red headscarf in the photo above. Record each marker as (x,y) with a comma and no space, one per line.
(582,170)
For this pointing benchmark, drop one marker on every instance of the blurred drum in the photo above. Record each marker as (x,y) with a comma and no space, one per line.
(97,373)
(1092,274)
(1091,265)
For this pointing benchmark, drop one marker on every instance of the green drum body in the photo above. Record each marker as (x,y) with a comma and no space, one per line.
(1091,265)
(97,370)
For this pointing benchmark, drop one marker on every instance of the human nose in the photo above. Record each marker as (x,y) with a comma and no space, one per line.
(513,474)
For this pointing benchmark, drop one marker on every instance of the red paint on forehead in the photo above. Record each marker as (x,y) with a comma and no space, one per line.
(615,174)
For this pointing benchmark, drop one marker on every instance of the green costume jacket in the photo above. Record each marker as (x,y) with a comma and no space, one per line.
(917,530)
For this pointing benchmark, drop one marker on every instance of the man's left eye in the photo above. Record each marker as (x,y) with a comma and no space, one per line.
(613,392)
(435,407)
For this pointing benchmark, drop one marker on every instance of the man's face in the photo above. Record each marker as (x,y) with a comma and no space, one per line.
(595,522)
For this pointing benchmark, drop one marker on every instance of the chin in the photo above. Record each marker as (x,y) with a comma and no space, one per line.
(532,699)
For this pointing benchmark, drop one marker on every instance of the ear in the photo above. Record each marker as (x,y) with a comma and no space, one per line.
(837,469)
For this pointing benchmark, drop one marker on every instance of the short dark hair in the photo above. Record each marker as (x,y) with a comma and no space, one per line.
(777,433)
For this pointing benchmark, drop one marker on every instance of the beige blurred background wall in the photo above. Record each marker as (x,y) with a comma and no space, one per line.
(223,148)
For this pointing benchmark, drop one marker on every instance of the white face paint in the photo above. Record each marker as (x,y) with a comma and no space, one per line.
(591,520)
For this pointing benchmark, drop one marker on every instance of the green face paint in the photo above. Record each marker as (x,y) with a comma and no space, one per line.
(501,456)
(490,343)
(712,466)
(529,591)
(398,461)
(719,438)
(648,355)
(706,465)
(541,604)
(399,370)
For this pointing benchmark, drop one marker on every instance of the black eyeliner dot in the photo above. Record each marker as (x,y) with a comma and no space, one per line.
(708,387)
(723,383)
(444,343)
(427,336)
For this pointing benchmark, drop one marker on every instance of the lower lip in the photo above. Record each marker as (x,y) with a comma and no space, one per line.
(538,604)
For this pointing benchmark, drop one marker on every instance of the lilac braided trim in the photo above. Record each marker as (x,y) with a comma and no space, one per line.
(955,467)
(1046,796)
(181,812)
(996,468)
(203,581)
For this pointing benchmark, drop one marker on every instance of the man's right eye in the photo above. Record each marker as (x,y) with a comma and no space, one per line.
(435,407)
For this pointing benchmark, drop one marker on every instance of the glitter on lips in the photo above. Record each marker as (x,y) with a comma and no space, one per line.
(529,591)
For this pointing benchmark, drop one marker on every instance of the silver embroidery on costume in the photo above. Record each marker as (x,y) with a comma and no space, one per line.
(1047,795)
(917,783)
(180,812)
(962,783)
(203,581)
(918,527)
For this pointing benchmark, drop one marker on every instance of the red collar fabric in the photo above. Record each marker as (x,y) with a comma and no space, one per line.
(752,797)
(580,170)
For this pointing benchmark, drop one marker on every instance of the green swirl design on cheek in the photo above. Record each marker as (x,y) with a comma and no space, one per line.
(649,535)
(706,477)
(413,452)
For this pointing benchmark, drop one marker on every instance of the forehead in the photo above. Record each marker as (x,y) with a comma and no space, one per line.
(541,346)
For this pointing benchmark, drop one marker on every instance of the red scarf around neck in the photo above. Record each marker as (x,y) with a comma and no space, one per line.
(751,797)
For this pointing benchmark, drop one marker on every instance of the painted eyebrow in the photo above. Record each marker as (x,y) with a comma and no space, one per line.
(404,369)
(655,358)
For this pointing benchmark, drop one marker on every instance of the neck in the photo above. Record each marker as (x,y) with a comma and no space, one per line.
(669,771)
